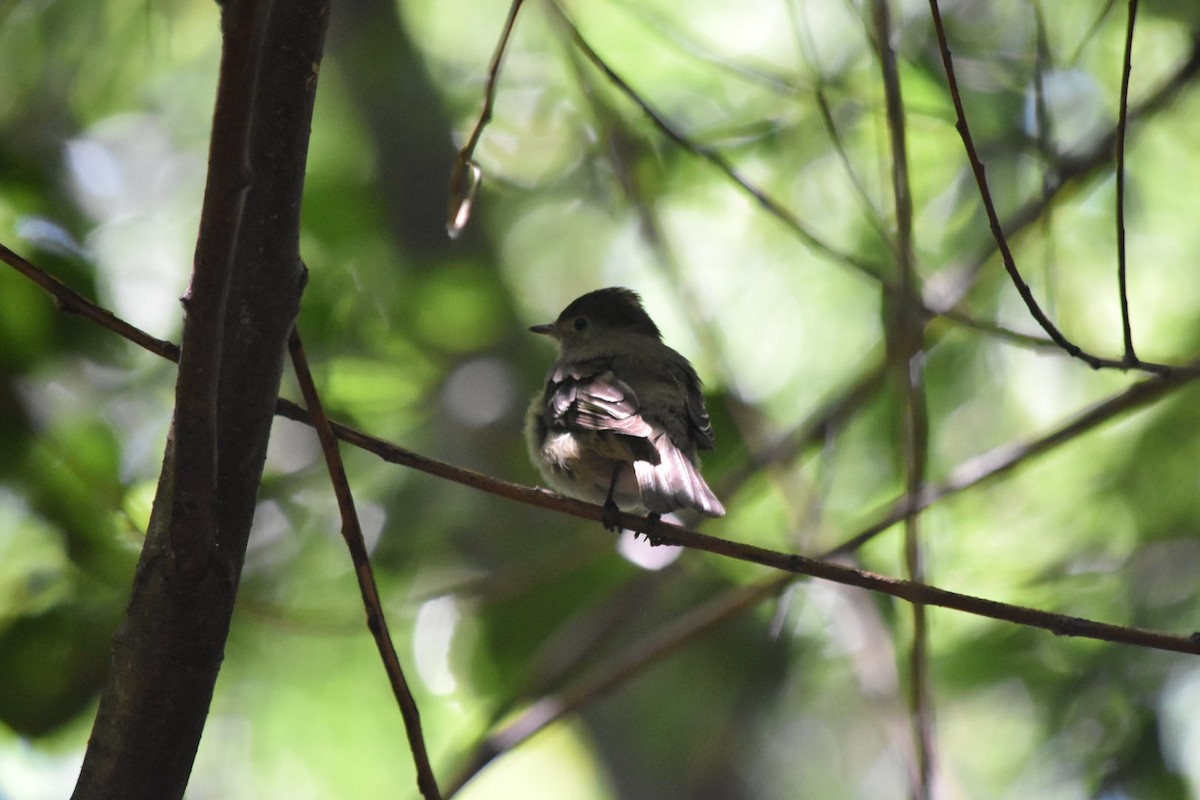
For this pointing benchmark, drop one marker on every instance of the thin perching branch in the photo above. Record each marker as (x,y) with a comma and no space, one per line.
(352,533)
(70,301)
(793,563)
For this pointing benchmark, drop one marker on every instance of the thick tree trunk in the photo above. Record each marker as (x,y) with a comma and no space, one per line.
(243,299)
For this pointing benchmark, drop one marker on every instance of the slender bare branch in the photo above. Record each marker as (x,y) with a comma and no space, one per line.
(70,301)
(906,355)
(352,533)
(768,203)
(808,48)
(1001,460)
(1010,266)
(1122,125)
(651,649)
(464,180)
(977,168)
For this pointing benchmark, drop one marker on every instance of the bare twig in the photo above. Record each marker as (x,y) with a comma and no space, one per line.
(808,48)
(464,180)
(977,169)
(873,216)
(768,203)
(71,302)
(1010,266)
(1090,35)
(352,533)
(1045,143)
(905,335)
(1122,124)
(873,270)
(1069,170)
(793,563)
(994,463)
(650,650)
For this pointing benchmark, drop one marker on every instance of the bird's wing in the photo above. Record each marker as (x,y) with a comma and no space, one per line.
(588,395)
(591,397)
(697,412)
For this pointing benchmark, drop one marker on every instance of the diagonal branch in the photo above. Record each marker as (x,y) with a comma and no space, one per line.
(650,650)
(1136,396)
(70,301)
(1001,460)
(352,533)
(768,203)
(1010,266)
(977,168)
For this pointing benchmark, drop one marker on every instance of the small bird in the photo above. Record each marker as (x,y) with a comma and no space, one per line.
(622,414)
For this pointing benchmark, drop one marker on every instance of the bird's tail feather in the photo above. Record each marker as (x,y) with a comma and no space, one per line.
(674,483)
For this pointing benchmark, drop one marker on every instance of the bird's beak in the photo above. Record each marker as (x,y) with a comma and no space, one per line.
(546,329)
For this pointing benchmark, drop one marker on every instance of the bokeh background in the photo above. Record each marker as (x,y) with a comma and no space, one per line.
(768,689)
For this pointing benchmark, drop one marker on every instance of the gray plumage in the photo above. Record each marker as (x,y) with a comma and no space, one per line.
(622,415)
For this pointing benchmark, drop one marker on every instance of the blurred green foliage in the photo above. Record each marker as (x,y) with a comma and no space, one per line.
(498,608)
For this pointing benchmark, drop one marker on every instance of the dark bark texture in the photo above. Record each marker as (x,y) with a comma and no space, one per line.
(244,295)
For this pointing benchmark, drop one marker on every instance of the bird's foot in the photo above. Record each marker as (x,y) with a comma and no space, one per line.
(656,538)
(609,518)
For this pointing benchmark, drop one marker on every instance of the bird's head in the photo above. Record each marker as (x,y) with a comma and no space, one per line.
(599,316)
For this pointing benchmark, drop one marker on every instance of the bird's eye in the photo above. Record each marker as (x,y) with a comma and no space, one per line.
(580,323)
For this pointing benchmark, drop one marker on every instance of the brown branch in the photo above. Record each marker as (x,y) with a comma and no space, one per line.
(1010,266)
(1001,460)
(1089,35)
(1066,172)
(194,427)
(873,216)
(874,271)
(768,203)
(352,533)
(245,293)
(1136,396)
(464,180)
(970,474)
(1122,124)
(787,562)
(71,302)
(905,342)
(651,649)
(977,169)
(542,714)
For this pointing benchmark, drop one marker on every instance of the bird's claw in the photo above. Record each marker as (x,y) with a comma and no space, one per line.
(657,539)
(609,516)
